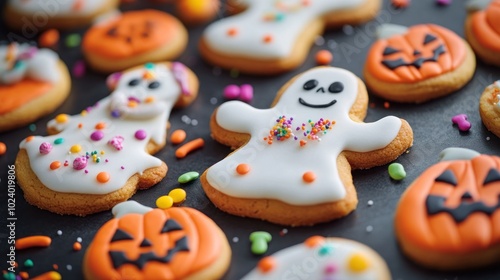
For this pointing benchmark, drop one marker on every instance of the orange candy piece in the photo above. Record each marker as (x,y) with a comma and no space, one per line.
(3,148)
(77,246)
(309,177)
(189,147)
(103,177)
(324,57)
(178,136)
(267,264)
(100,125)
(242,168)
(314,241)
(55,165)
(33,241)
(49,38)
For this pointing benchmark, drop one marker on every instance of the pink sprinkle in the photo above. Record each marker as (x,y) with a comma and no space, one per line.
(231,92)
(246,94)
(86,171)
(122,167)
(116,142)
(330,268)
(80,163)
(79,69)
(113,79)
(106,160)
(97,135)
(443,2)
(140,134)
(45,148)
(462,122)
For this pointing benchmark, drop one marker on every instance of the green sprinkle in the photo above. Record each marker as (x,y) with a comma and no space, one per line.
(32,127)
(397,171)
(259,240)
(325,250)
(28,263)
(73,40)
(9,276)
(58,141)
(188,177)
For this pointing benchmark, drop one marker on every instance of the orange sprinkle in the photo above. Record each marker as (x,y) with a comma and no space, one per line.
(178,136)
(16,265)
(149,99)
(324,57)
(267,39)
(302,142)
(3,148)
(24,275)
(55,164)
(100,125)
(77,246)
(309,177)
(232,32)
(80,125)
(33,241)
(55,266)
(387,105)
(29,138)
(51,275)
(189,147)
(242,168)
(49,38)
(132,104)
(266,264)
(314,241)
(103,177)
(78,5)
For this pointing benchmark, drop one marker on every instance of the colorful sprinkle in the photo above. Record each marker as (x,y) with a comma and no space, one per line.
(267,39)
(73,40)
(49,38)
(97,135)
(178,195)
(246,93)
(140,134)
(75,149)
(55,165)
(45,148)
(164,202)
(190,146)
(79,69)
(24,275)
(330,268)
(314,241)
(326,250)
(309,177)
(188,177)
(266,264)
(400,4)
(59,141)
(59,232)
(33,241)
(32,127)
(28,263)
(231,92)
(462,122)
(103,177)
(443,2)
(243,168)
(397,171)
(3,148)
(259,240)
(283,130)
(29,138)
(232,32)
(358,263)
(100,125)
(62,118)
(51,275)
(324,57)
(77,246)
(113,79)
(80,163)
(117,142)
(178,136)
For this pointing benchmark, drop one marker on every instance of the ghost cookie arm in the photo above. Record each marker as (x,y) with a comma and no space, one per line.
(377,143)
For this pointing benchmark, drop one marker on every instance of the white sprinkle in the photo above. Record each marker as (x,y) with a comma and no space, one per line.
(348,29)
(488,138)
(320,41)
(216,71)
(284,231)
(370,202)
(69,267)
(213,100)
(185,119)
(59,232)
(236,239)
(194,122)
(332,44)
(79,239)
(369,228)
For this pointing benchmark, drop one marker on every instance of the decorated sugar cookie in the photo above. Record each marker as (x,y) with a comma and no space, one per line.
(274,36)
(102,156)
(294,163)
(145,243)
(322,258)
(482,29)
(449,217)
(35,15)
(489,107)
(418,63)
(134,38)
(33,83)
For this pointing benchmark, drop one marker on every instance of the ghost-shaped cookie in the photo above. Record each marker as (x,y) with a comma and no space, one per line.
(294,163)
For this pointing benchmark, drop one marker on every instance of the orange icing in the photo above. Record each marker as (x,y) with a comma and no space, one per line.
(203,240)
(132,36)
(16,95)
(440,232)
(407,44)
(486,26)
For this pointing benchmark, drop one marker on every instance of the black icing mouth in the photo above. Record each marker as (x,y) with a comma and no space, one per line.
(303,102)
(393,64)
(435,205)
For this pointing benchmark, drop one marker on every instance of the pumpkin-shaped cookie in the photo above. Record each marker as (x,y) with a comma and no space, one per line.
(419,63)
(482,29)
(175,243)
(134,38)
(449,218)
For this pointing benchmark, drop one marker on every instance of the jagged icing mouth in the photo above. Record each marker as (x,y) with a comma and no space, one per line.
(326,105)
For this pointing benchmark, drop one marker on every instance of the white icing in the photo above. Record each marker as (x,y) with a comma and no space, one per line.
(27,62)
(301,262)
(54,8)
(453,153)
(133,156)
(129,207)
(252,28)
(388,30)
(277,169)
(476,5)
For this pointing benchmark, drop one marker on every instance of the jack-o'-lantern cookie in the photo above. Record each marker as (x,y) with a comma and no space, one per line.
(102,156)
(133,38)
(33,83)
(418,63)
(293,165)
(489,108)
(274,36)
(482,29)
(145,243)
(449,217)
(322,258)
(34,15)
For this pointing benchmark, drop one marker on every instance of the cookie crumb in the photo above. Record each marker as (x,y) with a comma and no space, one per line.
(369,228)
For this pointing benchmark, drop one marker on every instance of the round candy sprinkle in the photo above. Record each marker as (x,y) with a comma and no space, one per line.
(45,148)
(140,134)
(28,263)
(77,246)
(79,239)
(97,135)
(246,93)
(62,118)
(324,57)
(48,38)
(397,171)
(32,127)
(330,268)
(80,163)
(188,177)
(309,177)
(370,202)
(164,202)
(69,267)
(100,125)
(243,168)
(314,241)
(59,232)
(3,148)
(358,263)
(55,165)
(266,264)
(399,4)
(103,177)
(29,138)
(59,141)
(231,92)
(79,69)
(178,136)
(443,2)
(75,148)
(73,40)
(177,195)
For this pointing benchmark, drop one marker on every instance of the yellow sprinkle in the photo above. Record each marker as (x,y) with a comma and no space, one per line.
(178,195)
(102,152)
(164,202)
(358,263)
(76,148)
(83,113)
(61,118)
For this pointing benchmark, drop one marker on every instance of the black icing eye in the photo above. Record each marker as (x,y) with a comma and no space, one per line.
(447,177)
(154,85)
(429,38)
(134,82)
(121,235)
(390,50)
(170,225)
(416,52)
(310,84)
(336,87)
(145,243)
(493,176)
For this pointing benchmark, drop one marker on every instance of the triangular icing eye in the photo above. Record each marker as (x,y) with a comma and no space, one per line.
(170,225)
(121,235)
(493,176)
(447,177)
(390,50)
(429,38)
